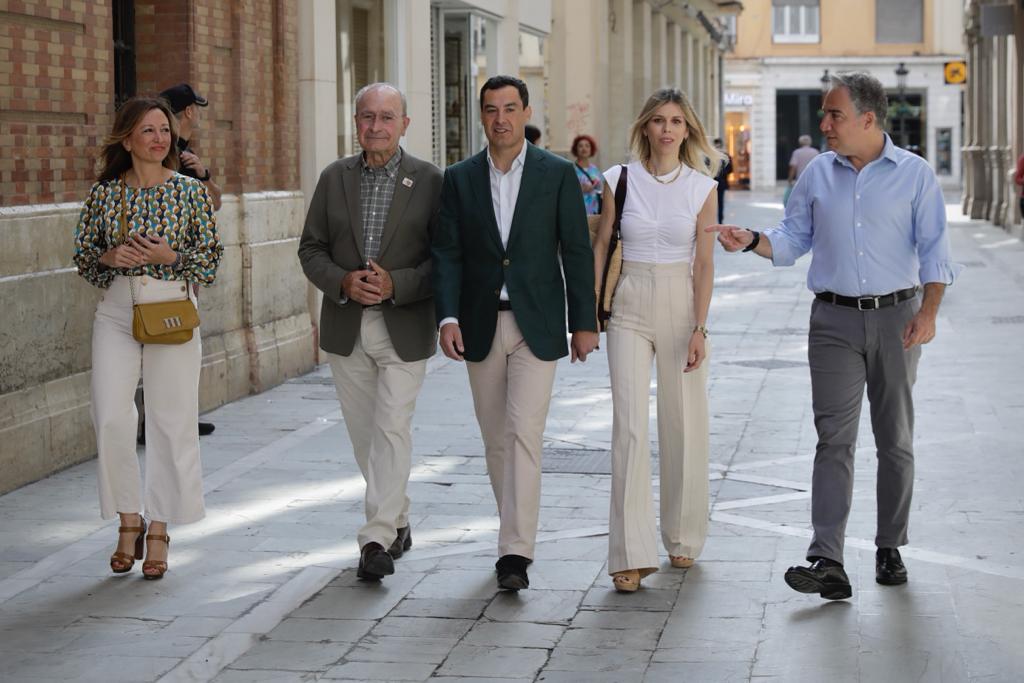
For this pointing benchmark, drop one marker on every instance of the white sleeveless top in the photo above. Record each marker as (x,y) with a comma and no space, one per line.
(659,222)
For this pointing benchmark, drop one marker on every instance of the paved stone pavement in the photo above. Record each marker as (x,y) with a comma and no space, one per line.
(264,589)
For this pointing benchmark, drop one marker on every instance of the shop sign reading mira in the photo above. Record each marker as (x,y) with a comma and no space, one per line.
(735,99)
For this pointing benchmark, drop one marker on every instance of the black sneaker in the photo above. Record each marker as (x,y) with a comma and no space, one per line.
(825,577)
(889,567)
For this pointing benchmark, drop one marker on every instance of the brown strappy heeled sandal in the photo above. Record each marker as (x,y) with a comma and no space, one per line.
(159,565)
(121,563)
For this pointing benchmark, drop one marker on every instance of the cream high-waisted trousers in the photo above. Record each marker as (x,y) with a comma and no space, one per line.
(652,315)
(170,379)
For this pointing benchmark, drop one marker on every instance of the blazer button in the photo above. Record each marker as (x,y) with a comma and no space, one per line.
(506,262)
(497,292)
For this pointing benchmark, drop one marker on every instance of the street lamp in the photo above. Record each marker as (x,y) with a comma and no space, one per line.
(826,81)
(901,85)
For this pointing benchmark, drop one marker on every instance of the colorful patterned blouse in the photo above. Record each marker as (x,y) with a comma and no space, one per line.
(592,196)
(180,210)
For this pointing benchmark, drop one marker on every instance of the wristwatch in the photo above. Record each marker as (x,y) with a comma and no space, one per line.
(703,330)
(205,177)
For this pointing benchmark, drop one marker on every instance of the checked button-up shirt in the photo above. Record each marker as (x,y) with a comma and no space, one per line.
(376,188)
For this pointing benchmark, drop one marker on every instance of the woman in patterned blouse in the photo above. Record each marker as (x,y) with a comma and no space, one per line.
(584,148)
(171,241)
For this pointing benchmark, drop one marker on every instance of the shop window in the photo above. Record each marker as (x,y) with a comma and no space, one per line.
(795,21)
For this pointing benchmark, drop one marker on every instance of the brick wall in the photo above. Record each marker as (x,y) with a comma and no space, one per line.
(56,86)
(56,89)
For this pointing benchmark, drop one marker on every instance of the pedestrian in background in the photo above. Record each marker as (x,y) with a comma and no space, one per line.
(1018,179)
(873,218)
(366,246)
(169,240)
(722,176)
(509,214)
(185,104)
(660,309)
(532,134)
(798,161)
(584,148)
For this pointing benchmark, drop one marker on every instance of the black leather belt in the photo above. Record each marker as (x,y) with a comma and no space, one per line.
(868,303)
(504,305)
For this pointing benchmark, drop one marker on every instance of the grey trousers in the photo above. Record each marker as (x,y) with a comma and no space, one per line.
(849,349)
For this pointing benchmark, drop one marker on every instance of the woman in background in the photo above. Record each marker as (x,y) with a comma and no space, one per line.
(584,148)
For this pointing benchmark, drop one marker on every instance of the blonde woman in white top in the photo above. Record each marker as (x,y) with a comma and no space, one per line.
(660,309)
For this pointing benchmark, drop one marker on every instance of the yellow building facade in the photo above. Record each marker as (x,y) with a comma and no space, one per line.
(784,50)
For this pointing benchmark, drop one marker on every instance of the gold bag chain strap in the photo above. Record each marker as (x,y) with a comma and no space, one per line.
(124,240)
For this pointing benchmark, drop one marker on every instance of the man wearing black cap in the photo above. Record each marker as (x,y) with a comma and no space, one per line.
(185,104)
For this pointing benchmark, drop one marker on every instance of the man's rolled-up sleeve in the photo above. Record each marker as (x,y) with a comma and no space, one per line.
(930,233)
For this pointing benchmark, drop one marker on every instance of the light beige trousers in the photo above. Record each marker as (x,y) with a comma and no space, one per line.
(511,394)
(170,379)
(652,314)
(377,391)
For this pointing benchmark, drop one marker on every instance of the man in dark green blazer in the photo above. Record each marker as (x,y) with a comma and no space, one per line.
(366,246)
(512,222)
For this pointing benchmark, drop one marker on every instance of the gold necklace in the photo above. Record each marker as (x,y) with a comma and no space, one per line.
(651,170)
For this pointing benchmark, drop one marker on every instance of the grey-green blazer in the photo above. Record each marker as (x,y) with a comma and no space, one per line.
(332,245)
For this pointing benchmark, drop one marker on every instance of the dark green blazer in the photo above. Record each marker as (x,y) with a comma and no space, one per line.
(332,245)
(471,265)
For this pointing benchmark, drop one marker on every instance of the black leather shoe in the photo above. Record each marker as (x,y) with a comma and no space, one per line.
(402,543)
(374,563)
(824,577)
(889,567)
(206,428)
(511,571)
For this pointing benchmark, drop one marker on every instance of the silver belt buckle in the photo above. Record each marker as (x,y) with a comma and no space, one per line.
(861,301)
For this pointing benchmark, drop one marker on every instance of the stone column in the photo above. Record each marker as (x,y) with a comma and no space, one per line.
(641,52)
(675,55)
(623,104)
(999,150)
(659,51)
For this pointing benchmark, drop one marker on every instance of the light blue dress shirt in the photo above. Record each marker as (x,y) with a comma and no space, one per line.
(871,232)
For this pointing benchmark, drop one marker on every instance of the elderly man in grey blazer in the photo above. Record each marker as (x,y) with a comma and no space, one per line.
(366,246)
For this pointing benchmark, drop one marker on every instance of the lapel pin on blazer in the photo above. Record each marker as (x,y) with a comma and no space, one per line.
(407,182)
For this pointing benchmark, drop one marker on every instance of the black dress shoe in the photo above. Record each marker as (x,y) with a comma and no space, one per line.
(401,543)
(511,571)
(374,563)
(824,577)
(889,567)
(206,428)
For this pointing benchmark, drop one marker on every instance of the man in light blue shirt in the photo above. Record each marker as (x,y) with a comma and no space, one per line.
(873,217)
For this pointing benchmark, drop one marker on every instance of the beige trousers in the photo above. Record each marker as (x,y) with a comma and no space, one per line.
(170,379)
(652,314)
(511,393)
(377,391)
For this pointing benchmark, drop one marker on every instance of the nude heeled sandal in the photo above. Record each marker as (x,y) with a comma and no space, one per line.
(159,565)
(121,563)
(629,581)
(681,561)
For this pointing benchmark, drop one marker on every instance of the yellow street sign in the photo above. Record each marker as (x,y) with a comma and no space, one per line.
(956,73)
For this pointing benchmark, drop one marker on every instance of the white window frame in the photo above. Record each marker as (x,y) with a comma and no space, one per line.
(780,34)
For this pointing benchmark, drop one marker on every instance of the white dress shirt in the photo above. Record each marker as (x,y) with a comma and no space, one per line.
(504,193)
